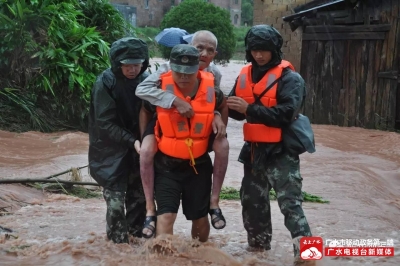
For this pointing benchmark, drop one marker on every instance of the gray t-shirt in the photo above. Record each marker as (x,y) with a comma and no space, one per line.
(148,89)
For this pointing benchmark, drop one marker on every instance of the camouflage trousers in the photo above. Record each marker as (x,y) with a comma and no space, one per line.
(130,198)
(283,175)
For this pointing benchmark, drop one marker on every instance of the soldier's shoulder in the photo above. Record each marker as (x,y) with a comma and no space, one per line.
(106,78)
(289,74)
(144,75)
(214,69)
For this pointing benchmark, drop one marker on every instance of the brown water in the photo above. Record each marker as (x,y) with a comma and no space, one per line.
(357,170)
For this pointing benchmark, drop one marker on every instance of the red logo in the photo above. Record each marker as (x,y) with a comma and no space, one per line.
(311,247)
(359,251)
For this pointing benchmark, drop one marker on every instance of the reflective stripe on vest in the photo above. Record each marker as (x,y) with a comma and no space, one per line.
(246,89)
(181,137)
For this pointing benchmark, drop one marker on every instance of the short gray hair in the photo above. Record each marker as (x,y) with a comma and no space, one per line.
(200,32)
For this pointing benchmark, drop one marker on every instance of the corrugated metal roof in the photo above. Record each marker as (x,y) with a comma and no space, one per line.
(304,12)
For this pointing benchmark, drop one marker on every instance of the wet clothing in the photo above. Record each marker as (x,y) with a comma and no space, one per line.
(283,175)
(264,38)
(290,96)
(150,131)
(269,165)
(186,138)
(180,180)
(113,129)
(120,223)
(175,177)
(147,90)
(264,91)
(219,98)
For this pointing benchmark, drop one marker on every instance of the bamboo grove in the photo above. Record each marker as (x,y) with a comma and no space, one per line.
(50,54)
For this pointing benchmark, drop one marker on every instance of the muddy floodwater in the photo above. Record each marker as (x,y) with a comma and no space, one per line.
(357,170)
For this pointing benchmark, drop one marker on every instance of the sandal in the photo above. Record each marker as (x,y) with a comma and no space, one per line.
(147,225)
(219,217)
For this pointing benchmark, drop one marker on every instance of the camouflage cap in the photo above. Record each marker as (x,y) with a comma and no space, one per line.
(184,58)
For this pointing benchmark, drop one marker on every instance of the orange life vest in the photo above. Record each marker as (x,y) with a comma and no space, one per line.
(246,89)
(181,137)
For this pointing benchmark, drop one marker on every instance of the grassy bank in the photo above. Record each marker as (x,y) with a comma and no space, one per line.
(230,193)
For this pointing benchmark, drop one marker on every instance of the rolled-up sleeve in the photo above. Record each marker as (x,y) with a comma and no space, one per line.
(149,89)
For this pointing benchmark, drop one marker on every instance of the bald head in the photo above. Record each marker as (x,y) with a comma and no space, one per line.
(204,34)
(206,43)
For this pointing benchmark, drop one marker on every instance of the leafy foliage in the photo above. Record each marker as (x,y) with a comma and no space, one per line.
(247,12)
(148,34)
(194,15)
(229,193)
(240,34)
(110,24)
(50,54)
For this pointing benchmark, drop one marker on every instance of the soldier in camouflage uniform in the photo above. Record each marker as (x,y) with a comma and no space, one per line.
(268,164)
(113,132)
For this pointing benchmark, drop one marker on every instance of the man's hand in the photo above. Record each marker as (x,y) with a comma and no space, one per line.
(237,104)
(184,108)
(219,127)
(137,146)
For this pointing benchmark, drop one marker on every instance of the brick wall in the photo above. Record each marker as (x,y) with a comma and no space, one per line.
(151,12)
(221,3)
(271,12)
(233,6)
(148,12)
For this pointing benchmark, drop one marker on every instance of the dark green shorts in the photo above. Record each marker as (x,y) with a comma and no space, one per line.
(183,183)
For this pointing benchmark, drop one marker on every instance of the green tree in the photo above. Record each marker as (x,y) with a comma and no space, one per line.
(50,54)
(108,21)
(247,12)
(194,15)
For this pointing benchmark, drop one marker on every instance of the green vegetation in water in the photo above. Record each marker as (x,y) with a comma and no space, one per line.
(230,193)
(15,249)
(77,191)
(83,193)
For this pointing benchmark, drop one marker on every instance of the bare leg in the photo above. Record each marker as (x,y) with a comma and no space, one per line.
(201,229)
(165,223)
(147,151)
(221,150)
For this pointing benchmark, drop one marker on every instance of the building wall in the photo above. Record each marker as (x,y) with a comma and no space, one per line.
(128,12)
(151,12)
(233,6)
(271,12)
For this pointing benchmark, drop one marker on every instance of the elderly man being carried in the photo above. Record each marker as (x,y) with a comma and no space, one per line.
(148,90)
